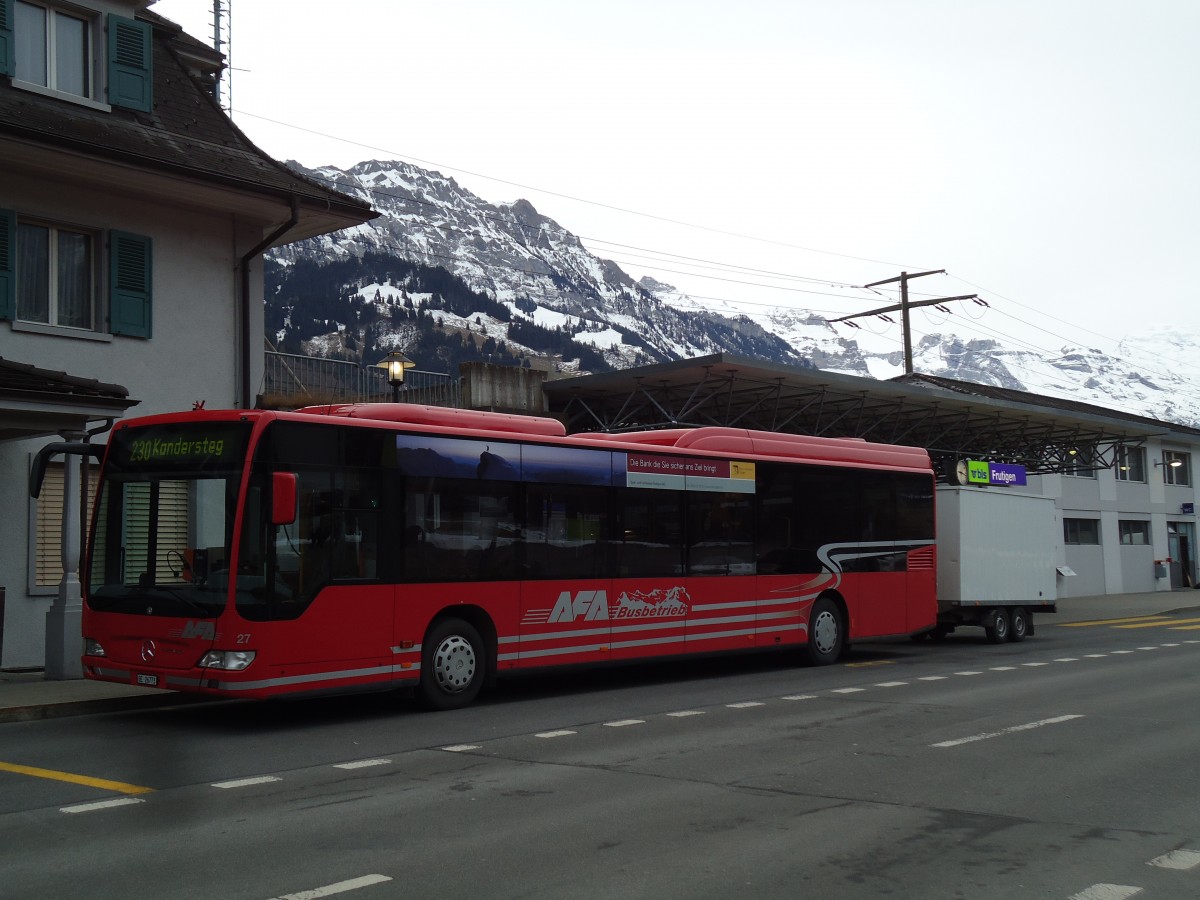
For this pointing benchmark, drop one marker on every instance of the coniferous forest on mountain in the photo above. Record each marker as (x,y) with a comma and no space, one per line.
(308,299)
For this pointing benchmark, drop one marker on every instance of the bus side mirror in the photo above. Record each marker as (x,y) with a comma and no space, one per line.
(283,498)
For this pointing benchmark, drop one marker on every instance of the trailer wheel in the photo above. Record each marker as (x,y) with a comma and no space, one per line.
(826,633)
(1020,625)
(453,665)
(997,632)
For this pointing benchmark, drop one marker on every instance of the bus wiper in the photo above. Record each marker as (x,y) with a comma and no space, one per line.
(178,594)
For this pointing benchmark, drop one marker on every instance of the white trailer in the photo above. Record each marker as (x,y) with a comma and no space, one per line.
(997,558)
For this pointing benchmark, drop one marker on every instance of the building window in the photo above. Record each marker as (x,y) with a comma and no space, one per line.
(56,276)
(1131,464)
(46,544)
(1079,464)
(51,277)
(53,49)
(1177,467)
(1081,531)
(1134,532)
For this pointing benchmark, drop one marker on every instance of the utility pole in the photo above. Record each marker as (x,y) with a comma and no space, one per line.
(904,306)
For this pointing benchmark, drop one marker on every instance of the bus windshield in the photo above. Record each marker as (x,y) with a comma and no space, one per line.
(165,519)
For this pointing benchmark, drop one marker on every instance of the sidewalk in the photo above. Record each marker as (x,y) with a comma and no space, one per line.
(28,695)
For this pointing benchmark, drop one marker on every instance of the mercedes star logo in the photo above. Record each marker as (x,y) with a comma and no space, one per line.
(148,650)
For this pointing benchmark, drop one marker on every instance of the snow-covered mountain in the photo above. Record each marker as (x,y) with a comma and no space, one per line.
(519,273)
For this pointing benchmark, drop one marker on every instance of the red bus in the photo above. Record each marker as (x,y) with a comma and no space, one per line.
(259,553)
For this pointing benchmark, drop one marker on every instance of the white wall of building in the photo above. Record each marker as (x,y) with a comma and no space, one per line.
(193,353)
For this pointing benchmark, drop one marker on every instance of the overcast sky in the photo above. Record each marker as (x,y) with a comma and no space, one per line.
(1044,152)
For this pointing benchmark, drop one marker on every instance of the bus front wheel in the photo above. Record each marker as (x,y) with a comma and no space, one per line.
(453,665)
(826,633)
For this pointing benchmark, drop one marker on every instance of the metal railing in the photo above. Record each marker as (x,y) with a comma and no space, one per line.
(290,380)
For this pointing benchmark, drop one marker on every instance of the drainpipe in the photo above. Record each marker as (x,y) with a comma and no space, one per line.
(245,288)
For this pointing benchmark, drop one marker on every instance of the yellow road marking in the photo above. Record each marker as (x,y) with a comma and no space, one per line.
(1111,621)
(1187,628)
(1153,624)
(102,783)
(873,662)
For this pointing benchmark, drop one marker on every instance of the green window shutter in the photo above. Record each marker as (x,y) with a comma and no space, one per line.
(130,69)
(7,66)
(129,284)
(8,263)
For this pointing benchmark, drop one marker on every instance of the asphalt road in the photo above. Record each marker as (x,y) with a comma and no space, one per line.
(1062,767)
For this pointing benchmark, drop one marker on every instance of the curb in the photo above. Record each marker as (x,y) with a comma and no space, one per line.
(38,711)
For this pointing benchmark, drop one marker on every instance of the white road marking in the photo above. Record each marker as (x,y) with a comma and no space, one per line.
(1147,648)
(1067,659)
(800,697)
(621,723)
(1003,731)
(1169,645)
(460,748)
(932,678)
(246,782)
(1107,892)
(891,684)
(101,804)
(683,713)
(1034,664)
(553,734)
(1177,859)
(851,690)
(340,888)
(1121,652)
(968,673)
(1096,655)
(1003,668)
(745,705)
(365,763)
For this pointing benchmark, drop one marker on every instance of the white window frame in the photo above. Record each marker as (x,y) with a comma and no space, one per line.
(94,274)
(1080,465)
(91,62)
(1072,524)
(45,527)
(1130,528)
(1180,475)
(1131,464)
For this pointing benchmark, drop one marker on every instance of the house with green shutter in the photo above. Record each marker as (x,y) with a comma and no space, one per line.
(133,219)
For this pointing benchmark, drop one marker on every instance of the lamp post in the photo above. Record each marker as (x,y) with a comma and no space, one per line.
(394,365)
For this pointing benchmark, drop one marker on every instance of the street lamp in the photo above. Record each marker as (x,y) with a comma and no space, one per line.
(394,365)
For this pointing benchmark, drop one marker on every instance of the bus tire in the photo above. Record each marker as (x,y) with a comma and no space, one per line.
(1020,625)
(453,665)
(826,633)
(999,626)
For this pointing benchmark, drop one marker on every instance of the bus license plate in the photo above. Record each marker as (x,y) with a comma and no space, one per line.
(148,680)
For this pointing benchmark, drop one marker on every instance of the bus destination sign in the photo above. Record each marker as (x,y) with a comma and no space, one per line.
(171,445)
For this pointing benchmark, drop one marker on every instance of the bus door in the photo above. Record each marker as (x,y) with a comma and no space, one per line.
(566,594)
(328,611)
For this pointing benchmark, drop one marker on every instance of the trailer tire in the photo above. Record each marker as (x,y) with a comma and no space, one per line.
(1000,626)
(1020,625)
(453,665)
(826,634)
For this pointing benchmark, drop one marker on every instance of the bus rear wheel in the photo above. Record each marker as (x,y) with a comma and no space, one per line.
(453,665)
(826,633)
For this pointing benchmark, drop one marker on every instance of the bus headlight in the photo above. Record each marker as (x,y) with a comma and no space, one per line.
(229,660)
(92,648)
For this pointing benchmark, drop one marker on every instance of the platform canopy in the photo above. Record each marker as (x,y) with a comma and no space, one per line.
(953,420)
